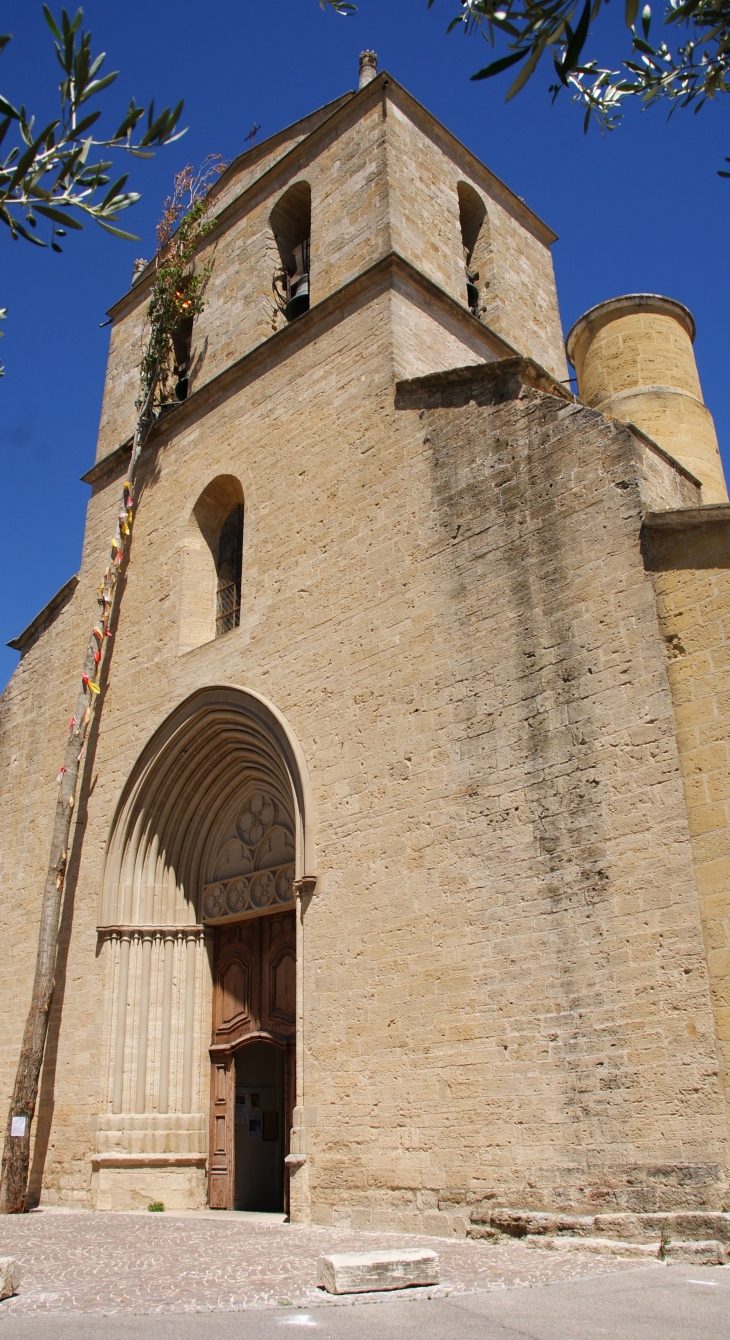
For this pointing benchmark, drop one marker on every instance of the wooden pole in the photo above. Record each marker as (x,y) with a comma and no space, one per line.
(16,1151)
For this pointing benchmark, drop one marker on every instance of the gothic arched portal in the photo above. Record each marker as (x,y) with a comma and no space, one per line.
(197,922)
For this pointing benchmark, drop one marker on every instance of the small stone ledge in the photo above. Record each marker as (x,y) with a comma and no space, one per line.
(151,1160)
(708,1253)
(681,518)
(599,1246)
(711,1253)
(484,383)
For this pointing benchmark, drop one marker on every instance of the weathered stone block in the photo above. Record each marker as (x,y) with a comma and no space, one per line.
(709,1253)
(9,1276)
(369,1272)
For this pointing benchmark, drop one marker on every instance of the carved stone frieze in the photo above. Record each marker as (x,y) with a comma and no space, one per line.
(249,893)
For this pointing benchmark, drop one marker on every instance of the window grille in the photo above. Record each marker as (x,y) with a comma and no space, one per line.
(230,560)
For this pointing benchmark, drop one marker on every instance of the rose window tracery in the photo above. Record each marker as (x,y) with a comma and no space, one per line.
(256,819)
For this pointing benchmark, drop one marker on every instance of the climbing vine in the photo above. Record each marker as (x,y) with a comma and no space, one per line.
(178,289)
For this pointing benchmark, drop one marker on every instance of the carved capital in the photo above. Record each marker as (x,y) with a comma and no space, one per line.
(304,886)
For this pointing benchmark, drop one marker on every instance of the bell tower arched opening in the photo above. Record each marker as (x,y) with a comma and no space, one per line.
(199,931)
(291,224)
(475,243)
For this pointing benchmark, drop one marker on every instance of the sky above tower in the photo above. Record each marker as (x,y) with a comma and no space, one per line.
(640,210)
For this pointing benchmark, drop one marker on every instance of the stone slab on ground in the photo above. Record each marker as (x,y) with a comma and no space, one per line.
(9,1276)
(373,1272)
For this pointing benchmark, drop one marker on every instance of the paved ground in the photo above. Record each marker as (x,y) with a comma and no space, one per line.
(114,1277)
(151,1263)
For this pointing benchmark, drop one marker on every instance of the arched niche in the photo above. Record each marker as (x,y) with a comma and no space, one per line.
(202,534)
(474,223)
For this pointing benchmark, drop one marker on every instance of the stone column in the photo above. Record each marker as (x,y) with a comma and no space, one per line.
(163,1102)
(121,1032)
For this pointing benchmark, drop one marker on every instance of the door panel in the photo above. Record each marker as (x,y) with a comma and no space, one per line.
(237,974)
(279,972)
(220,1162)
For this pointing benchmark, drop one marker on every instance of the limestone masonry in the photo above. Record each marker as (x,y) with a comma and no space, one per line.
(399,887)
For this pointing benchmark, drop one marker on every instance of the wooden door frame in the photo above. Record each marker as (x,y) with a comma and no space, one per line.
(222,1157)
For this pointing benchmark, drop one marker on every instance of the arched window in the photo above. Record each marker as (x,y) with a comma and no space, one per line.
(210,589)
(475,242)
(291,224)
(228,569)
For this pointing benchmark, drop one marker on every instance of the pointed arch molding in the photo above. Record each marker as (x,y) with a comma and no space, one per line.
(218,749)
(213,824)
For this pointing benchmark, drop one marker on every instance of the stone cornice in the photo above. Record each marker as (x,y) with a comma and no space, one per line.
(654,446)
(46,616)
(143,1160)
(390,272)
(457,384)
(681,518)
(128,929)
(115,460)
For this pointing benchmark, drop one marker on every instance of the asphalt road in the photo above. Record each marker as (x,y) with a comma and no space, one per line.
(649,1303)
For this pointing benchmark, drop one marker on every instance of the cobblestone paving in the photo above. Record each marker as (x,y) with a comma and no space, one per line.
(116,1263)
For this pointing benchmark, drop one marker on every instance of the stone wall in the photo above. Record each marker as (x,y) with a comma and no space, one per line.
(690,566)
(514,976)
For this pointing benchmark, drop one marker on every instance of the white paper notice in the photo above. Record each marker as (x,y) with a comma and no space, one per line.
(17,1125)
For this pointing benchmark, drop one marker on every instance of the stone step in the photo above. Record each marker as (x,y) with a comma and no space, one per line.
(709,1252)
(371,1272)
(680,1225)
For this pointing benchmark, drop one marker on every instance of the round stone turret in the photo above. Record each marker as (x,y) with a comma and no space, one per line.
(634,360)
(368,67)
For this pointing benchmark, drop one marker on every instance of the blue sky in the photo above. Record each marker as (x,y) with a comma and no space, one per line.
(639,210)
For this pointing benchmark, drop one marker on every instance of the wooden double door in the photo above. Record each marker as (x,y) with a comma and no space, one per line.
(254,1007)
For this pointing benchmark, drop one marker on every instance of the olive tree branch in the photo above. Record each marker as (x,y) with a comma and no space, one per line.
(54,173)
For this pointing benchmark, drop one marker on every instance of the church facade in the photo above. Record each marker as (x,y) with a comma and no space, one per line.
(398,889)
